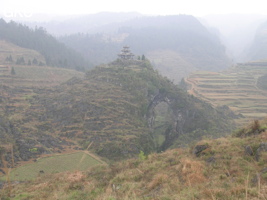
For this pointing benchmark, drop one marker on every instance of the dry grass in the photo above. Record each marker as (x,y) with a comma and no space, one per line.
(193,171)
(174,174)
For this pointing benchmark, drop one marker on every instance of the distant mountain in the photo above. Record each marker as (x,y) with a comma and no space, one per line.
(235,30)
(258,49)
(55,53)
(181,40)
(92,23)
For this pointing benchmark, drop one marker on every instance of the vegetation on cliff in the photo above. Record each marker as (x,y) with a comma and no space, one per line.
(116,111)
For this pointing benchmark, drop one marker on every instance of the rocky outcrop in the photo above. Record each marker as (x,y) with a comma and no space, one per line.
(188,114)
(249,150)
(171,133)
(262,148)
(150,115)
(256,151)
(18,147)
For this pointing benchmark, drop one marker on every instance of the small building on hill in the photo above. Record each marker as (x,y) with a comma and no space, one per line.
(126,53)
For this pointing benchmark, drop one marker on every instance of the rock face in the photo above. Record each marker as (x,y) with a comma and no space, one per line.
(257,152)
(186,115)
(249,151)
(18,147)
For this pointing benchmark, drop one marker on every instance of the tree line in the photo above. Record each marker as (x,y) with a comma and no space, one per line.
(21,61)
(55,53)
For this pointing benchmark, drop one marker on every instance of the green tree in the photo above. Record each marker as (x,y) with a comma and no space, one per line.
(143,57)
(9,59)
(35,61)
(20,61)
(13,71)
(142,156)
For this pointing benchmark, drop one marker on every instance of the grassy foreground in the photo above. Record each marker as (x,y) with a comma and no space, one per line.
(225,169)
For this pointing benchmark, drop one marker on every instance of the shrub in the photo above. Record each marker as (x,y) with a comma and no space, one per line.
(142,156)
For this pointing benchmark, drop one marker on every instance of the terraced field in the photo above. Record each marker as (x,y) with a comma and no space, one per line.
(237,88)
(18,90)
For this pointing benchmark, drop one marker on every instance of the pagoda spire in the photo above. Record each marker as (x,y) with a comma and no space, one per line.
(126,53)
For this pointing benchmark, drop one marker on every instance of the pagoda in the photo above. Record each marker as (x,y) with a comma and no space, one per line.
(126,53)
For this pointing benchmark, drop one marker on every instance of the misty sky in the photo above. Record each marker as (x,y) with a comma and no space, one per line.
(150,7)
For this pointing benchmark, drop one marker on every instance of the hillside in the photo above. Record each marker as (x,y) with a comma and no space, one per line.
(242,88)
(226,168)
(11,54)
(16,92)
(118,110)
(55,53)
(180,40)
(257,50)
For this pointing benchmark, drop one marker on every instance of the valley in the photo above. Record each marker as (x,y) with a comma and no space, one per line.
(110,111)
(128,106)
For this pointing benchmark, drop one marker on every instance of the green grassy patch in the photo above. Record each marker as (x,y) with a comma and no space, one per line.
(54,164)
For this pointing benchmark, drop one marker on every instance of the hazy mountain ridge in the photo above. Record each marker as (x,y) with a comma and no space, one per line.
(237,31)
(258,48)
(93,23)
(54,52)
(181,34)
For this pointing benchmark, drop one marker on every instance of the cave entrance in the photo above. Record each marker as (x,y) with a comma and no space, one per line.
(162,122)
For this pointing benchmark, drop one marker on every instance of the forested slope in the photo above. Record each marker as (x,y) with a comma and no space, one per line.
(55,53)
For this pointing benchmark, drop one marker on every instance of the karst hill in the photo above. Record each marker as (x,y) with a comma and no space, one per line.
(117,110)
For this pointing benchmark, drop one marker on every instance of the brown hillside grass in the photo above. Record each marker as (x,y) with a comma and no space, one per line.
(223,171)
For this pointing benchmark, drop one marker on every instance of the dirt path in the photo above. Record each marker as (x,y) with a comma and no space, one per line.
(95,157)
(192,87)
